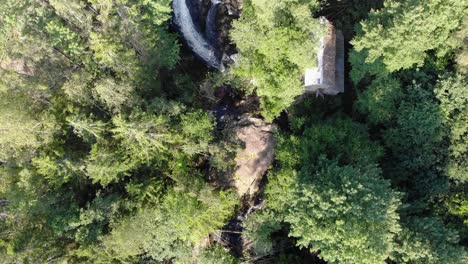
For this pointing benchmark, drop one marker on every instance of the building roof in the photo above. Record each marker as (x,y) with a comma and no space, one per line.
(328,76)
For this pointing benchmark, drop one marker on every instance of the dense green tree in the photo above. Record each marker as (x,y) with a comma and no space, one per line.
(94,218)
(347,213)
(169,231)
(34,221)
(22,131)
(331,193)
(259,229)
(403,32)
(418,112)
(417,150)
(427,240)
(340,139)
(113,95)
(346,13)
(75,12)
(454,211)
(451,93)
(89,140)
(419,132)
(105,165)
(458,205)
(462,56)
(276,42)
(104,149)
(380,99)
(216,254)
(65,39)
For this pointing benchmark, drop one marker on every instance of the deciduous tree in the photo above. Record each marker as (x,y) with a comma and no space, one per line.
(276,42)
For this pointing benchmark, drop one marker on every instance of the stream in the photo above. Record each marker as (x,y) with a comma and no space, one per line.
(203,46)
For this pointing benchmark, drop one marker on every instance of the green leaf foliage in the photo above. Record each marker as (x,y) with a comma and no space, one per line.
(418,133)
(170,230)
(347,213)
(380,100)
(402,33)
(331,194)
(216,255)
(108,154)
(427,240)
(277,42)
(452,94)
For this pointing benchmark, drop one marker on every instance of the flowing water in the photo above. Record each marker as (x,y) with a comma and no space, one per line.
(205,50)
(210,27)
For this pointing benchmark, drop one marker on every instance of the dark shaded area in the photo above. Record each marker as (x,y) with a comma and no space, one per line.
(345,14)
(283,122)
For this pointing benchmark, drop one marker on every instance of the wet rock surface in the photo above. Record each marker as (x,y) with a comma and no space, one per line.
(226,12)
(185,23)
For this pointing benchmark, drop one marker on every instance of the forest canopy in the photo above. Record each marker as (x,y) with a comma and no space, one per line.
(118,145)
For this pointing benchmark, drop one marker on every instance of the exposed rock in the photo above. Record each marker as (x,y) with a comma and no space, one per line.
(17,66)
(227,13)
(232,11)
(257,154)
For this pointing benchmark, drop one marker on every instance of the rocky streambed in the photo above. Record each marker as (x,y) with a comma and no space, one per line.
(227,11)
(205,25)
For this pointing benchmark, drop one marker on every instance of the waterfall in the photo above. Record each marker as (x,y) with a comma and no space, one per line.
(210,27)
(195,40)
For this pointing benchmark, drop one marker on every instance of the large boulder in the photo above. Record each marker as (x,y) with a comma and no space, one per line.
(257,155)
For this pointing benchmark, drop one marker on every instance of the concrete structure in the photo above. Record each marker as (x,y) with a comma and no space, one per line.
(328,76)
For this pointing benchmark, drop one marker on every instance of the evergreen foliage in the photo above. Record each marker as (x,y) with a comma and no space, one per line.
(276,41)
(216,255)
(107,153)
(168,231)
(402,33)
(427,240)
(451,92)
(350,211)
(331,193)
